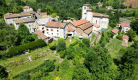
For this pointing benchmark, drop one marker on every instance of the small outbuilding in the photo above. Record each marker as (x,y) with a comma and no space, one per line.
(115,31)
(125,40)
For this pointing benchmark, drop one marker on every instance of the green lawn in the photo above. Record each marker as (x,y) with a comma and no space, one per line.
(113,47)
(68,41)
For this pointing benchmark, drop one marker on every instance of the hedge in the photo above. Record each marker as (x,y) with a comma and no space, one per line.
(73,44)
(21,48)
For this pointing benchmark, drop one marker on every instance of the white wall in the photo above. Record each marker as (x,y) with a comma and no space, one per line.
(28,9)
(124,29)
(84,10)
(104,22)
(96,28)
(89,16)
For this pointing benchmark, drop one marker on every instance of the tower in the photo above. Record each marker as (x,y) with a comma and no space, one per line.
(84,10)
(89,15)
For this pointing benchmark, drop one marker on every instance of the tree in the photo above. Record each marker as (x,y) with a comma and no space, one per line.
(3,73)
(24,35)
(18,2)
(134,14)
(14,10)
(52,46)
(130,6)
(49,9)
(8,36)
(80,73)
(86,42)
(61,46)
(131,34)
(19,9)
(62,14)
(134,25)
(54,14)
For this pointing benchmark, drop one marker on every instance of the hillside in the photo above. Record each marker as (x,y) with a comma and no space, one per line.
(133,2)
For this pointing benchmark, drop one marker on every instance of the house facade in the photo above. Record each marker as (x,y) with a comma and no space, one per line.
(97,18)
(115,31)
(27,8)
(124,27)
(9,17)
(29,22)
(125,40)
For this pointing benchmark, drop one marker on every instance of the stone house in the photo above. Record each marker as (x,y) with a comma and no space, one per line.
(29,22)
(83,28)
(115,31)
(9,17)
(125,40)
(70,31)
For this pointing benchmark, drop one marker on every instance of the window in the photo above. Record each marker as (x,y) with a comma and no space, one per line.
(52,33)
(51,29)
(29,25)
(127,29)
(47,33)
(43,31)
(57,33)
(57,30)
(96,21)
(43,28)
(84,7)
(47,30)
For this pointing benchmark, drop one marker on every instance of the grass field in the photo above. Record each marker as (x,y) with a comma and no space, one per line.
(113,47)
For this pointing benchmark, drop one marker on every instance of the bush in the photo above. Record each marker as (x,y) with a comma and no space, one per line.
(60,39)
(73,44)
(3,73)
(52,46)
(86,42)
(62,54)
(119,37)
(61,46)
(122,51)
(81,44)
(21,48)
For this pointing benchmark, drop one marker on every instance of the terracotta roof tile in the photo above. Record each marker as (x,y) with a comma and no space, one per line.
(125,24)
(19,20)
(100,15)
(115,31)
(125,37)
(79,22)
(41,35)
(25,7)
(39,9)
(10,15)
(55,24)
(70,29)
(85,26)
(96,25)
(89,9)
(87,31)
(100,32)
(86,4)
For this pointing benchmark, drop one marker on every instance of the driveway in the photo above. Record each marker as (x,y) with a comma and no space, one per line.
(124,19)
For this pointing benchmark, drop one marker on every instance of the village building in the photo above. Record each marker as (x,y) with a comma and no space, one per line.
(29,22)
(39,11)
(70,31)
(115,31)
(109,7)
(83,28)
(9,17)
(96,18)
(40,24)
(55,30)
(41,35)
(124,27)
(27,8)
(125,40)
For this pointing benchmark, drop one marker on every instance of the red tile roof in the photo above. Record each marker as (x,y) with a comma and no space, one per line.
(79,22)
(25,7)
(39,9)
(85,26)
(100,15)
(55,24)
(115,31)
(96,25)
(100,32)
(41,35)
(124,25)
(87,31)
(125,37)
(70,29)
(19,20)
(89,9)
(10,15)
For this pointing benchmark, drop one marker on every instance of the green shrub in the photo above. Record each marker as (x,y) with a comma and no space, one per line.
(81,44)
(61,46)
(122,51)
(86,42)
(119,37)
(21,48)
(62,54)
(52,46)
(60,39)
(73,44)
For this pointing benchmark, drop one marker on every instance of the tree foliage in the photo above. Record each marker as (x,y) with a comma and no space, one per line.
(61,46)
(131,34)
(3,73)
(24,35)
(134,25)
(86,42)
(49,9)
